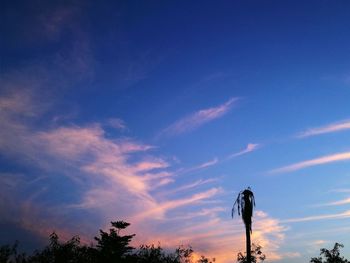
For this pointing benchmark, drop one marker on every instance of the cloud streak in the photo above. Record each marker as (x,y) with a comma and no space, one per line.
(198,118)
(193,185)
(313,162)
(342,215)
(111,177)
(112,185)
(161,209)
(199,167)
(337,203)
(334,127)
(107,178)
(341,190)
(250,148)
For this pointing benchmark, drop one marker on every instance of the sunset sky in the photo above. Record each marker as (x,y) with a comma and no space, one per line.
(159,112)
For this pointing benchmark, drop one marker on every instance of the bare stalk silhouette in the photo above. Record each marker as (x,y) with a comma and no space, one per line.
(245,202)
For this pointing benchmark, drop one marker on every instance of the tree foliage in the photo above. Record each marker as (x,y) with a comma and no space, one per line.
(9,254)
(111,247)
(114,247)
(330,256)
(256,255)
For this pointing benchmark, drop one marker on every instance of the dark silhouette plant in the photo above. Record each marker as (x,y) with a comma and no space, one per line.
(112,246)
(245,203)
(256,255)
(56,252)
(9,254)
(330,256)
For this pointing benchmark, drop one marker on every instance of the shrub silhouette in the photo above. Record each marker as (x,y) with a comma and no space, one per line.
(256,255)
(9,253)
(111,247)
(57,252)
(330,256)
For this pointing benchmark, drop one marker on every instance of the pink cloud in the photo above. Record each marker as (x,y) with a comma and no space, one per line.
(72,142)
(250,148)
(192,185)
(121,179)
(120,185)
(342,215)
(199,118)
(151,164)
(340,202)
(334,127)
(207,164)
(314,162)
(199,166)
(341,190)
(118,124)
(163,207)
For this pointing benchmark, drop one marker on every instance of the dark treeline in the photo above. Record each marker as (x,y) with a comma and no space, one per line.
(113,247)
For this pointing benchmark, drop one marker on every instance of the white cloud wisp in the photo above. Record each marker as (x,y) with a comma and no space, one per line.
(331,128)
(198,118)
(313,162)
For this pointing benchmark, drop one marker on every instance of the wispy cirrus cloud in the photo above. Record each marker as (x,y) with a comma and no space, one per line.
(345,214)
(192,185)
(198,118)
(319,242)
(207,164)
(313,162)
(106,179)
(109,182)
(341,190)
(337,203)
(330,128)
(114,186)
(199,166)
(111,177)
(250,148)
(117,123)
(161,209)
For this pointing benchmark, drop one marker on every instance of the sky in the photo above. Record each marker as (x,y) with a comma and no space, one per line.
(159,113)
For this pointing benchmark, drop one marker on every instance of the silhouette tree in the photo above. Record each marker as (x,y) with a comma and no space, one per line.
(245,202)
(6,252)
(9,254)
(330,256)
(183,254)
(156,254)
(113,247)
(203,259)
(69,251)
(152,254)
(256,255)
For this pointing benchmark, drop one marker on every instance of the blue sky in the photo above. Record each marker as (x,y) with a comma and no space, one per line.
(159,113)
